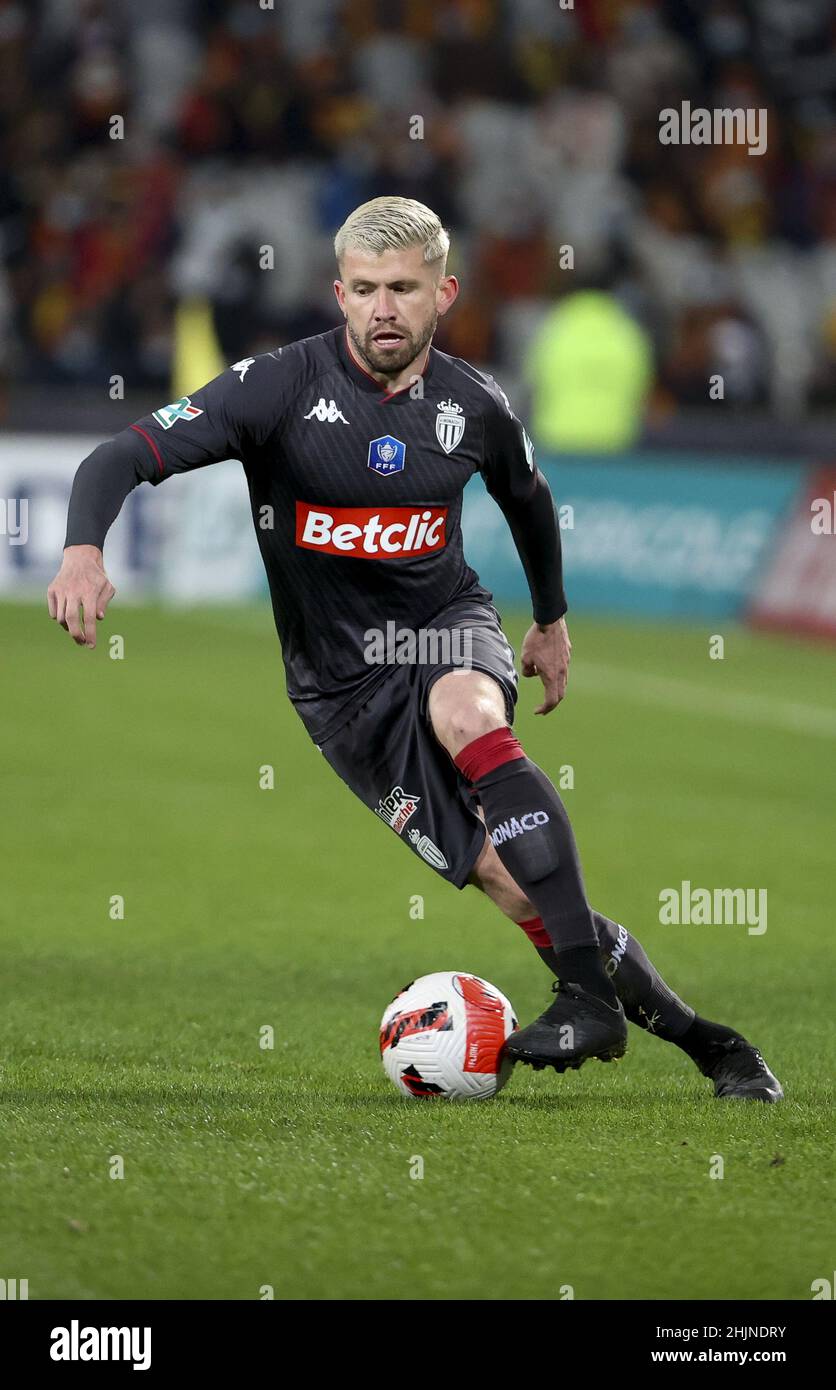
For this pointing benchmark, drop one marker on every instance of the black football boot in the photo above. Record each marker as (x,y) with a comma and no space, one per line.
(576,1026)
(739,1072)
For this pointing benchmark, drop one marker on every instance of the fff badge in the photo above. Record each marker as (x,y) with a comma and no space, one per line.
(387,455)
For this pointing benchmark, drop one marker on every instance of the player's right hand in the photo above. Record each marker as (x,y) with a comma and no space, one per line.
(80,593)
(546,651)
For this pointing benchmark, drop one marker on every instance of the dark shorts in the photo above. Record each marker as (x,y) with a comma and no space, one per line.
(389,757)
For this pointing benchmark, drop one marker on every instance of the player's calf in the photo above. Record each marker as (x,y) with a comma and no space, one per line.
(532,836)
(492,878)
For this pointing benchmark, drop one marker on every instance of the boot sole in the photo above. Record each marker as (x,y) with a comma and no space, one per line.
(764,1096)
(609,1054)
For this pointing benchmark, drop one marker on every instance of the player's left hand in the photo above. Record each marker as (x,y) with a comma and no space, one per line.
(546,651)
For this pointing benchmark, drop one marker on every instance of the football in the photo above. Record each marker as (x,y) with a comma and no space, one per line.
(443,1036)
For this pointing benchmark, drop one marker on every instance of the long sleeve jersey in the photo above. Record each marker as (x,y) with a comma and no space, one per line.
(356,498)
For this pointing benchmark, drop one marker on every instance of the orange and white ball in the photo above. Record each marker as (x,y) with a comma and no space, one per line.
(443,1035)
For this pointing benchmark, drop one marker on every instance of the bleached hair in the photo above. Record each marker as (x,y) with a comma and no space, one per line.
(392,224)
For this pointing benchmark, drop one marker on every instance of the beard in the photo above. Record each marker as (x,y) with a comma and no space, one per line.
(391,362)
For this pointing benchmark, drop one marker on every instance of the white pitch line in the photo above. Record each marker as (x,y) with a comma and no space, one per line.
(767,711)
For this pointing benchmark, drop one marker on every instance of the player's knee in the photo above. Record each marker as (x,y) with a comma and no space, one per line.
(464,707)
(466,725)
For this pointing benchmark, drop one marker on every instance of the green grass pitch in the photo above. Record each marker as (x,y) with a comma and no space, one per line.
(290,908)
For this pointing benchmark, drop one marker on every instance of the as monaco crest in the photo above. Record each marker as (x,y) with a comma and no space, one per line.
(449,425)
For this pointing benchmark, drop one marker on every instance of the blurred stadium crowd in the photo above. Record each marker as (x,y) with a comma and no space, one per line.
(247,125)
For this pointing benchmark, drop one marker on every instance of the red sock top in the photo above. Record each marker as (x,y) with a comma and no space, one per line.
(536,932)
(484,754)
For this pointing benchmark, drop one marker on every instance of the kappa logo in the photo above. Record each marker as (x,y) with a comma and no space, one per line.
(509,829)
(397,807)
(449,425)
(183,409)
(326,411)
(427,850)
(243,366)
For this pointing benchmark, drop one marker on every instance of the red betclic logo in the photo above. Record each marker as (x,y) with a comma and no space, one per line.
(371,533)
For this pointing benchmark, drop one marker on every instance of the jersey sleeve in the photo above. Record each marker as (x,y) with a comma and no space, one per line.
(508,465)
(231,415)
(511,475)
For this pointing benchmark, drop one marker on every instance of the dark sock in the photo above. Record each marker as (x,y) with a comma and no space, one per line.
(531,833)
(648,1001)
(703,1039)
(581,965)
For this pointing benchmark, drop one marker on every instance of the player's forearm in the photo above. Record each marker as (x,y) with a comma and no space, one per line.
(533,524)
(100,486)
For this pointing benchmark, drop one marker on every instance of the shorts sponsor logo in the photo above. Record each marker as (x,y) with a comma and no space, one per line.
(449,425)
(428,850)
(508,829)
(183,409)
(367,533)
(397,807)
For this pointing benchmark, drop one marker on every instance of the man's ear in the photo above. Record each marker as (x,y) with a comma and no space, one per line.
(448,289)
(339,291)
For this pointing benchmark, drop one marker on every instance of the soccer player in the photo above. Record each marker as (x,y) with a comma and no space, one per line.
(356,445)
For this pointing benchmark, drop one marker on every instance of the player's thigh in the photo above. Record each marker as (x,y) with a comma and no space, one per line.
(463,705)
(388,756)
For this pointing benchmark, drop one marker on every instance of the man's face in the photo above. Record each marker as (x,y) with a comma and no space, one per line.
(391,304)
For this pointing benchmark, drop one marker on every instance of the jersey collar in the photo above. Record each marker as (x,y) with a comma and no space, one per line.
(365,381)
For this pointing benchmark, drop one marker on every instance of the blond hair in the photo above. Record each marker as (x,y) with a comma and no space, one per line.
(392,224)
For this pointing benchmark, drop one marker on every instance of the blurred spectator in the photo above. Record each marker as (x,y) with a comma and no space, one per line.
(590,368)
(249,133)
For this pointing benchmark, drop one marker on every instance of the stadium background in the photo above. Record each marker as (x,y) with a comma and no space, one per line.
(131,270)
